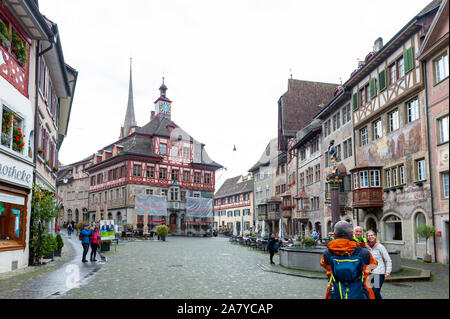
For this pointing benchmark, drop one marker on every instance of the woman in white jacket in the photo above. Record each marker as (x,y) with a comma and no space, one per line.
(384,268)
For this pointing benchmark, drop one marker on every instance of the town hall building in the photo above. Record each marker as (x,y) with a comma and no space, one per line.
(158,159)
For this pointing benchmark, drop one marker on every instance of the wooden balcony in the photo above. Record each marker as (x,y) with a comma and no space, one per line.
(13,72)
(368,197)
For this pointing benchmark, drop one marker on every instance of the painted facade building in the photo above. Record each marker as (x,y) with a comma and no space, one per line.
(27,39)
(296,108)
(234,205)
(309,190)
(158,158)
(337,126)
(267,205)
(73,188)
(391,184)
(433,55)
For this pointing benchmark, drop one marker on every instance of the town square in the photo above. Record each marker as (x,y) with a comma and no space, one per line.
(242,150)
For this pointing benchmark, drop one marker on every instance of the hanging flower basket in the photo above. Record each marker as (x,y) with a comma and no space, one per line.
(5,38)
(19,48)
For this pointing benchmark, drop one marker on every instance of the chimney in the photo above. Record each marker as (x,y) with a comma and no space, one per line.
(152,115)
(378,44)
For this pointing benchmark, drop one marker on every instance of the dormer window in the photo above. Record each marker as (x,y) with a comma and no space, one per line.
(162,149)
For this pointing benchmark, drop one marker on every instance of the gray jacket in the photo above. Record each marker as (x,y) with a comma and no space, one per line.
(382,257)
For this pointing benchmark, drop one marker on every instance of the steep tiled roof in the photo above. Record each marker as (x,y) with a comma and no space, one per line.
(232,187)
(301,102)
(270,153)
(429,7)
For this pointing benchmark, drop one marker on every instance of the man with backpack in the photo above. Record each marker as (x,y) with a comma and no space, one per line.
(348,266)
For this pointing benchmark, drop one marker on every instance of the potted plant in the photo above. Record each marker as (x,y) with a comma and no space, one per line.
(426,231)
(5,38)
(55,169)
(40,151)
(162,231)
(48,246)
(309,241)
(59,245)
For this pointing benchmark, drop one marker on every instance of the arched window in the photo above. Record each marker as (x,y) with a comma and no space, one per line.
(419,221)
(393,228)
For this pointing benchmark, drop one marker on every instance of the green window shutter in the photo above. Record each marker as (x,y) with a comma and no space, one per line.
(355,101)
(382,80)
(373,88)
(408,60)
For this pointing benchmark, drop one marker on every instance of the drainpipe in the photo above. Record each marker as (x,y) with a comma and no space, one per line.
(424,72)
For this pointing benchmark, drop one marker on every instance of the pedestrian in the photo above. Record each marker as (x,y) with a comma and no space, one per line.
(94,243)
(272,246)
(73,224)
(359,237)
(347,276)
(85,235)
(69,229)
(383,271)
(315,235)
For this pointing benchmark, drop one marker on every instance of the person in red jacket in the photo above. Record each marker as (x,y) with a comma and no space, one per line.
(94,243)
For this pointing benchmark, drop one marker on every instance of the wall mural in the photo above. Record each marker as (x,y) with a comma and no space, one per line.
(395,146)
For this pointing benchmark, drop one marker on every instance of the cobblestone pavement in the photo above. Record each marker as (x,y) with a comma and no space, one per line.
(189,268)
(50,280)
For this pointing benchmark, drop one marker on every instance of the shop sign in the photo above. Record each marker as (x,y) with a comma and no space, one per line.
(15,171)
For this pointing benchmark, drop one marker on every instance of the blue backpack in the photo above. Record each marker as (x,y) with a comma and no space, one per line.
(347,278)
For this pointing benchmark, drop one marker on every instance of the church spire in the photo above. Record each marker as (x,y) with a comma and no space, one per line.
(130,120)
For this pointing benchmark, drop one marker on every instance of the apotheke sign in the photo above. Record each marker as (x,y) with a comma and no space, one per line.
(15,171)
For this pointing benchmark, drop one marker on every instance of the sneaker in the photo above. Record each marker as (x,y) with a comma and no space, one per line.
(84,261)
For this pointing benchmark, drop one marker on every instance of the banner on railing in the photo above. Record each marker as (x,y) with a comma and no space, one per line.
(199,207)
(155,205)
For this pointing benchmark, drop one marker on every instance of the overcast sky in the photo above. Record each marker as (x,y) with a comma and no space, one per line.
(226,63)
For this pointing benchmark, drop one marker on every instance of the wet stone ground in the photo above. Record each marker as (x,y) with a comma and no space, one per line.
(214,268)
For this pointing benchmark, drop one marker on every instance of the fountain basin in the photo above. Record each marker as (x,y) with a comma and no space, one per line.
(309,258)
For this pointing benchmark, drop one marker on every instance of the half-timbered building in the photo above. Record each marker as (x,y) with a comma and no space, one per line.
(233,205)
(159,158)
(337,126)
(391,184)
(296,108)
(35,103)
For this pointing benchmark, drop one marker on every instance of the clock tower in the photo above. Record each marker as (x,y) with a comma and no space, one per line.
(163,107)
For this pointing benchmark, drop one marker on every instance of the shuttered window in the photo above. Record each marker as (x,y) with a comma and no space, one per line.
(382,80)
(373,88)
(408,58)
(355,101)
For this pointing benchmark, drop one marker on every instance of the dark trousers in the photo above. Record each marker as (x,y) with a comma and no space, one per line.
(376,282)
(93,251)
(271,252)
(85,250)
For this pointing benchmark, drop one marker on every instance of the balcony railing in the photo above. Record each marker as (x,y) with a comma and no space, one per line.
(13,72)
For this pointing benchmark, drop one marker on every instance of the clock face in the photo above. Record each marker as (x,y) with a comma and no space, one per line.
(165,108)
